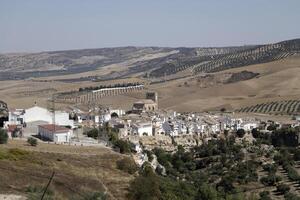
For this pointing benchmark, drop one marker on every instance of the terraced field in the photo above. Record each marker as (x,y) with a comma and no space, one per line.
(255,55)
(274,107)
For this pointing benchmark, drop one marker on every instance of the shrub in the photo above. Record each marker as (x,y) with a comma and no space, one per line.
(145,186)
(93,133)
(32,141)
(96,196)
(255,133)
(123,145)
(265,195)
(35,193)
(240,133)
(127,165)
(291,196)
(297,155)
(282,188)
(3,136)
(270,180)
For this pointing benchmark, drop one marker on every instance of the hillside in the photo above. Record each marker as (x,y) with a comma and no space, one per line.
(234,77)
(277,80)
(80,172)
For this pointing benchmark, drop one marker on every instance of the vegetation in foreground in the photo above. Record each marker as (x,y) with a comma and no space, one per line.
(224,169)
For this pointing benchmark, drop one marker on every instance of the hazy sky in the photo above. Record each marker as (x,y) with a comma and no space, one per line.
(40,25)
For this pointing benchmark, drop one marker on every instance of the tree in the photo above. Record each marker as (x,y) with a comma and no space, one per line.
(93,133)
(255,133)
(223,109)
(207,192)
(128,165)
(265,195)
(145,186)
(3,136)
(32,141)
(282,188)
(240,133)
(297,155)
(123,145)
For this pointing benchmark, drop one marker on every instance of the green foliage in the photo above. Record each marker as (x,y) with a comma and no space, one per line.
(282,188)
(265,195)
(291,172)
(291,196)
(13,154)
(297,155)
(270,180)
(255,133)
(127,165)
(95,196)
(94,133)
(285,137)
(145,186)
(240,133)
(3,136)
(124,146)
(176,189)
(271,168)
(272,127)
(35,193)
(207,192)
(149,155)
(32,141)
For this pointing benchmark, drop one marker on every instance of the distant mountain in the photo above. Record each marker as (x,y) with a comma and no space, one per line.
(151,62)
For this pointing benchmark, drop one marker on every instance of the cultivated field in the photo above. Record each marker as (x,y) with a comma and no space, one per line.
(277,81)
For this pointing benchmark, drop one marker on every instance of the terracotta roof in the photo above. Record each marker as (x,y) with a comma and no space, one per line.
(54,128)
(12,127)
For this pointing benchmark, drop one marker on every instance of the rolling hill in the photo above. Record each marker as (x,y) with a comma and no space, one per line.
(187,79)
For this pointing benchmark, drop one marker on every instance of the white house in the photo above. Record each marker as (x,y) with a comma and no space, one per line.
(248,126)
(57,134)
(142,129)
(37,113)
(15,117)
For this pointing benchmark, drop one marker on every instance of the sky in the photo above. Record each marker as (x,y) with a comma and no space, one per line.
(45,25)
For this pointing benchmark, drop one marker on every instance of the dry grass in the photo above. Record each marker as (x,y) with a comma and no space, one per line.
(277,80)
(79,170)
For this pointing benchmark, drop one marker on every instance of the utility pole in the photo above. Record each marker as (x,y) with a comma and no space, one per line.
(46,188)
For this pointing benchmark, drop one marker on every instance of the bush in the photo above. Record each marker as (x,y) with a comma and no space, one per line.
(32,141)
(291,196)
(240,133)
(93,133)
(127,165)
(265,195)
(96,196)
(297,155)
(255,133)
(123,145)
(145,186)
(3,136)
(270,180)
(282,188)
(35,193)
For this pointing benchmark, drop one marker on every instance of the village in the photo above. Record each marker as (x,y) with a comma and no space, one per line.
(145,125)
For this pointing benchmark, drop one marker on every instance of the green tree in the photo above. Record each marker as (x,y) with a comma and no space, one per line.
(282,188)
(32,141)
(3,136)
(240,133)
(145,186)
(128,165)
(123,145)
(207,192)
(265,195)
